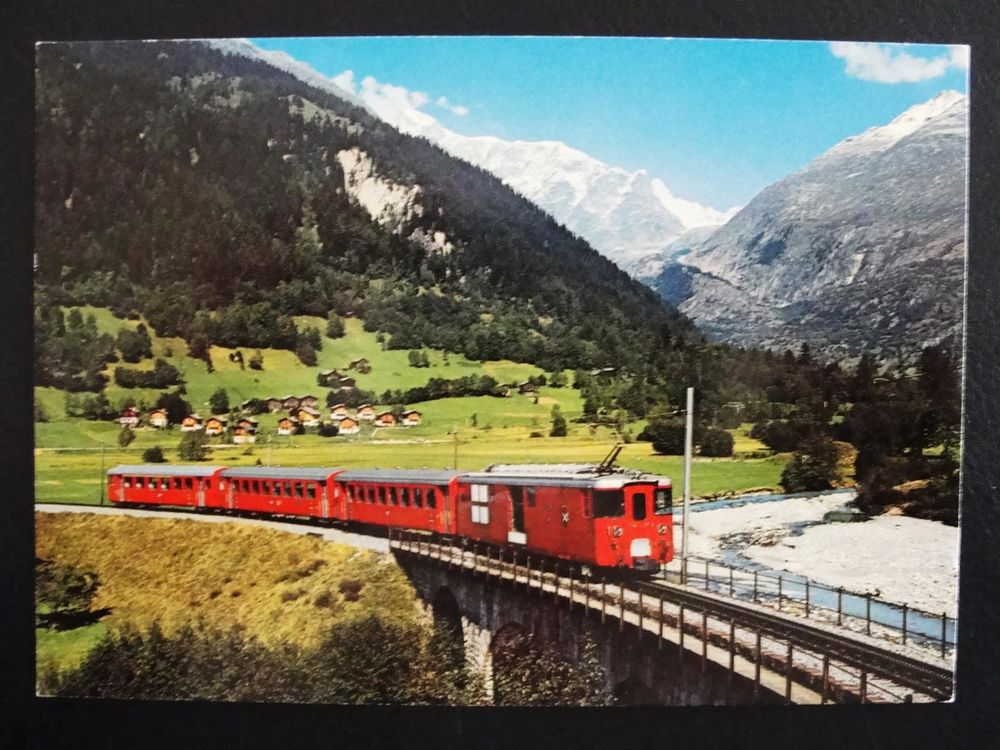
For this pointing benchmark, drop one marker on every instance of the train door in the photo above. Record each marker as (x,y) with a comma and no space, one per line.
(324,502)
(516,534)
(201,493)
(121,489)
(229,494)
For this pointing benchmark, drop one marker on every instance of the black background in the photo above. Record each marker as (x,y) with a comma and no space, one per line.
(970,722)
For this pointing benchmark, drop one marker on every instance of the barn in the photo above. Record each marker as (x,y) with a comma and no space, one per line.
(348,426)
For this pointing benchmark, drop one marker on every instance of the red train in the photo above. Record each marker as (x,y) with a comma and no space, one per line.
(595,515)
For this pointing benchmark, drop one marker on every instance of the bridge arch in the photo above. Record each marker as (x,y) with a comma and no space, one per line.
(448,626)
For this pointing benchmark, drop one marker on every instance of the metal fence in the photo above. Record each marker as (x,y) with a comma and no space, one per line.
(863,612)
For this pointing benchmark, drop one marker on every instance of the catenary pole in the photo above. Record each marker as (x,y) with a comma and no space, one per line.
(688,446)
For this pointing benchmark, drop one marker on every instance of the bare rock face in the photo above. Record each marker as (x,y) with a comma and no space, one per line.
(863,250)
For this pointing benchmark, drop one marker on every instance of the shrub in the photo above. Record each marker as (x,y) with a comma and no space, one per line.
(306,354)
(666,435)
(813,466)
(153,455)
(126,436)
(716,443)
(558,423)
(194,446)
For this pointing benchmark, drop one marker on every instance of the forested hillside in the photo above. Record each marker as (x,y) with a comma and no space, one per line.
(174,179)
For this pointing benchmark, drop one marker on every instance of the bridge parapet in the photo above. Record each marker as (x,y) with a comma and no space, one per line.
(776,654)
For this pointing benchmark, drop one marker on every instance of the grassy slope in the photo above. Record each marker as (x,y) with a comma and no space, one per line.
(176,572)
(283,373)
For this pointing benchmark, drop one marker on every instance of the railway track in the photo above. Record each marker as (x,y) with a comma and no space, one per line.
(913,674)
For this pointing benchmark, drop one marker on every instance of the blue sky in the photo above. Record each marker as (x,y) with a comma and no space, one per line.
(717,120)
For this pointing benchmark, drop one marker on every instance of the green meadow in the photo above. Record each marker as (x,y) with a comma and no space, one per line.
(469,432)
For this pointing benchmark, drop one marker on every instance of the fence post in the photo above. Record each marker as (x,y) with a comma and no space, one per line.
(704,640)
(788,674)
(571,587)
(659,643)
(680,641)
(807,597)
(944,633)
(904,624)
(755,587)
(706,575)
(732,650)
(756,669)
(640,614)
(780,585)
(604,600)
(730,581)
(621,607)
(840,598)
(864,686)
(826,677)
(868,613)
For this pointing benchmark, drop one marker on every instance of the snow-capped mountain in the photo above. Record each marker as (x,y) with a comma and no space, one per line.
(626,216)
(862,249)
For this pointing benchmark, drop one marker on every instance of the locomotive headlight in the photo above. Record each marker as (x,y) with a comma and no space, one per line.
(662,528)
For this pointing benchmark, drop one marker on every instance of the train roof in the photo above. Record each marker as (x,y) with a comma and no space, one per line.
(164,470)
(560,475)
(280,472)
(406,476)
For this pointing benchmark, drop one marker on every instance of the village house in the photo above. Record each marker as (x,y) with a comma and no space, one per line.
(274,405)
(190,423)
(411,418)
(366,413)
(311,401)
(385,419)
(360,365)
(158,418)
(307,416)
(338,411)
(245,431)
(290,402)
(288,426)
(348,426)
(215,425)
(129,417)
(527,388)
(344,383)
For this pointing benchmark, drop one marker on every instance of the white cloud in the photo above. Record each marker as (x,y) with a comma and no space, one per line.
(887,63)
(455,109)
(346,81)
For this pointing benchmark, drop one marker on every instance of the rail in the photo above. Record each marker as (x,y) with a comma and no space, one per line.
(862,612)
(800,660)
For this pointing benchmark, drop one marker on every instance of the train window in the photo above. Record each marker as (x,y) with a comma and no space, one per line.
(288,489)
(266,486)
(418,497)
(381,496)
(529,494)
(140,482)
(431,498)
(188,483)
(663,502)
(393,497)
(480,504)
(638,506)
(127,481)
(177,483)
(370,493)
(404,496)
(311,491)
(609,504)
(299,493)
(165,484)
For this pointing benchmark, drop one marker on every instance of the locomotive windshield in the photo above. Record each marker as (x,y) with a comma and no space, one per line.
(609,504)
(663,502)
